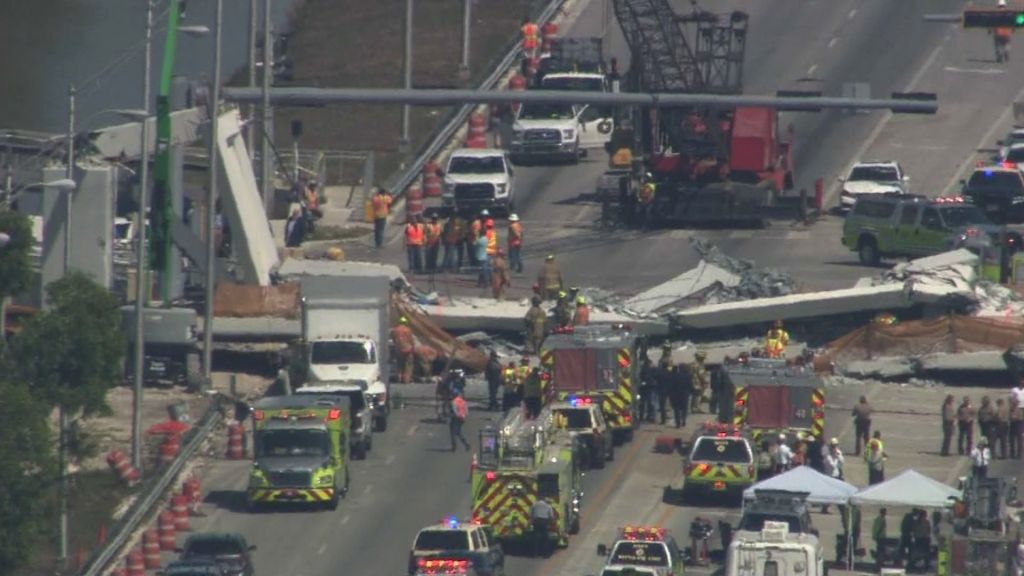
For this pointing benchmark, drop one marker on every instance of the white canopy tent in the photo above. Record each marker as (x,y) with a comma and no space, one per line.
(911,488)
(822,489)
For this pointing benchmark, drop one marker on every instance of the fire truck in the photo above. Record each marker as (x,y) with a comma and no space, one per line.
(595,363)
(773,397)
(520,461)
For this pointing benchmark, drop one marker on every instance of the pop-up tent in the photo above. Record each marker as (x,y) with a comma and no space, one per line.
(822,489)
(911,488)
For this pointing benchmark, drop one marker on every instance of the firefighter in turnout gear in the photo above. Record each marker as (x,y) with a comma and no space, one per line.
(582,315)
(550,278)
(563,311)
(511,394)
(535,321)
(776,341)
(700,378)
(645,200)
(405,345)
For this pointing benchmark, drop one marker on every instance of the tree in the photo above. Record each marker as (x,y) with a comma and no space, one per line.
(71,354)
(15,257)
(26,470)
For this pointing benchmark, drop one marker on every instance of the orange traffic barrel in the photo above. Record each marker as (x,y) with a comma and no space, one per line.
(235,438)
(414,201)
(431,180)
(169,449)
(166,531)
(549,31)
(179,506)
(135,563)
(151,549)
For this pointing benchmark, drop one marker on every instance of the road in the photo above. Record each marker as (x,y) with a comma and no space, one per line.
(410,480)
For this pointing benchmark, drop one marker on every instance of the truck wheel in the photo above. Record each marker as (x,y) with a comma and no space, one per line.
(193,371)
(867,251)
(332,504)
(610,455)
(574,524)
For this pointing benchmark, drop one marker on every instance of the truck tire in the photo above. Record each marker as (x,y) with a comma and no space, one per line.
(867,251)
(369,442)
(610,455)
(332,504)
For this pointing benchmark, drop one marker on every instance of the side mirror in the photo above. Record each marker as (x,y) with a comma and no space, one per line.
(602,549)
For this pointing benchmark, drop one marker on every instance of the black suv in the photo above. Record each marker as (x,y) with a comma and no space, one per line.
(229,549)
(999,191)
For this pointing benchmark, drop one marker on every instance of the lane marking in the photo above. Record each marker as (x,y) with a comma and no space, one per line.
(321,550)
(969,161)
(833,190)
(810,71)
(368,489)
(851,14)
(344,519)
(412,430)
(832,42)
(389,460)
(974,70)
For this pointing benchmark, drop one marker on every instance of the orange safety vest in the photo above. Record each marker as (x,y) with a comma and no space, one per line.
(492,242)
(515,234)
(530,31)
(582,317)
(474,231)
(413,235)
(1004,33)
(381,205)
(401,335)
(433,233)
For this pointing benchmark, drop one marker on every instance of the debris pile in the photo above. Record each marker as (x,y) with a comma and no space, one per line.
(752,282)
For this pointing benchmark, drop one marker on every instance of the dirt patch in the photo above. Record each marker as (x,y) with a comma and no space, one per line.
(354,43)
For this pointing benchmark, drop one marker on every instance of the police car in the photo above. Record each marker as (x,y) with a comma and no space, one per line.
(453,539)
(644,547)
(721,460)
(582,416)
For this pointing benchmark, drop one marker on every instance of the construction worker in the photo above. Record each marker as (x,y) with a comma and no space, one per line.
(492,238)
(1002,36)
(404,342)
(523,372)
(776,341)
(582,315)
(381,202)
(499,275)
(532,393)
(550,278)
(563,311)
(459,412)
(476,228)
(510,396)
(515,244)
(530,32)
(432,241)
(699,379)
(535,321)
(414,245)
(454,234)
(645,199)
(483,260)
(875,458)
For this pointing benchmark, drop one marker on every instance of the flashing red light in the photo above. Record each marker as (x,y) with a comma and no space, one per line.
(334,414)
(1009,165)
(258,415)
(719,485)
(624,362)
(818,401)
(491,476)
(703,467)
(545,376)
(971,232)
(627,418)
(819,415)
(740,402)
(648,533)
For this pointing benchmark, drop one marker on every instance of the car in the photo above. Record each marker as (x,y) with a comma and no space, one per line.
(1011,156)
(583,417)
(453,538)
(546,131)
(720,461)
(193,568)
(1015,136)
(867,178)
(361,436)
(228,549)
(910,226)
(646,547)
(479,178)
(998,190)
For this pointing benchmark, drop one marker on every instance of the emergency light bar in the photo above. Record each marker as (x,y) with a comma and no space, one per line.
(950,200)
(643,533)
(577,401)
(452,522)
(721,429)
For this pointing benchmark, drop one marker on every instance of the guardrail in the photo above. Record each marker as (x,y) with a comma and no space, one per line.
(403,179)
(152,494)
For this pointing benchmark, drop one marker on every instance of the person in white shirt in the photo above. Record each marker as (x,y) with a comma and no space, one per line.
(1017,392)
(783,455)
(981,456)
(834,460)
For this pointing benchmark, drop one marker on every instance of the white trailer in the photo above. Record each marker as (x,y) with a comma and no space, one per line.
(774,551)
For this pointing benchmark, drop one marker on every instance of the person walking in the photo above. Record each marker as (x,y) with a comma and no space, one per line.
(981,457)
(542,516)
(432,241)
(459,412)
(875,458)
(550,278)
(295,229)
(783,455)
(492,373)
(861,423)
(532,394)
(965,415)
(404,342)
(515,244)
(483,279)
(948,423)
(414,245)
(500,279)
(535,321)
(454,242)
(1001,427)
(381,203)
(680,391)
(581,317)
(834,460)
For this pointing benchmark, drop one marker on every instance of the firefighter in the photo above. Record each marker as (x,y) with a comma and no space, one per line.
(522,373)
(582,315)
(404,342)
(563,312)
(699,380)
(499,275)
(542,518)
(510,387)
(414,244)
(535,320)
(532,393)
(432,241)
(515,244)
(776,341)
(493,375)
(550,278)
(680,391)
(645,199)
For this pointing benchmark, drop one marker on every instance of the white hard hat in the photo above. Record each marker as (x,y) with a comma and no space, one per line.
(1002,3)
(484,212)
(513,217)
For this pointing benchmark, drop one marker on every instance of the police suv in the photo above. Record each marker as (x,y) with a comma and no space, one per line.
(721,460)
(581,416)
(644,547)
(453,539)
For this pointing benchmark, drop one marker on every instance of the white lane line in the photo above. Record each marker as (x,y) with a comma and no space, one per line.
(851,14)
(368,489)
(833,189)
(344,519)
(1002,120)
(320,551)
(810,71)
(389,460)
(412,430)
(832,42)
(974,70)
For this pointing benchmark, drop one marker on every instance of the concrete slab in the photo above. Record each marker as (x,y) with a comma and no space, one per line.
(881,368)
(295,267)
(986,361)
(694,281)
(932,263)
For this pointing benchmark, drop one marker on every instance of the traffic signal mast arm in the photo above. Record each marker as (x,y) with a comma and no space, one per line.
(992,18)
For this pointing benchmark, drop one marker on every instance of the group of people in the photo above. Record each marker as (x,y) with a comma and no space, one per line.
(519,385)
(1000,423)
(684,387)
(915,543)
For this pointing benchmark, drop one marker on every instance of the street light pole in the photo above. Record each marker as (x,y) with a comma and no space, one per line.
(70,176)
(253,23)
(407,71)
(62,417)
(141,279)
(266,161)
(467,18)
(211,199)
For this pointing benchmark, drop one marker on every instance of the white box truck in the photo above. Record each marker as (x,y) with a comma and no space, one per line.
(345,330)
(774,551)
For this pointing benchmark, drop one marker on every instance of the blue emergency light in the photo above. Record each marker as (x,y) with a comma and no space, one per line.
(576,402)
(453,522)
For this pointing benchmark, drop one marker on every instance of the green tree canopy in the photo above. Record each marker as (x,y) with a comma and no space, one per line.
(26,470)
(72,353)
(15,257)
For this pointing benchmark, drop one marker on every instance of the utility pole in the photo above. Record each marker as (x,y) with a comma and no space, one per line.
(211,201)
(70,176)
(141,278)
(407,75)
(467,18)
(266,158)
(250,143)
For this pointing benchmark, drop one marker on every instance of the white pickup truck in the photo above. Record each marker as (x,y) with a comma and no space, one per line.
(546,131)
(477,179)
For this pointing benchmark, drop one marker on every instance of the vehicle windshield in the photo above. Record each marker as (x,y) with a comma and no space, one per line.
(958,216)
(721,450)
(640,554)
(121,230)
(999,181)
(310,442)
(476,165)
(581,83)
(1015,154)
(343,352)
(547,112)
(576,417)
(447,540)
(213,547)
(754,521)
(355,397)
(873,174)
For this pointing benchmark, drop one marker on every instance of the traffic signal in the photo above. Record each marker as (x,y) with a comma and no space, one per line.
(993,18)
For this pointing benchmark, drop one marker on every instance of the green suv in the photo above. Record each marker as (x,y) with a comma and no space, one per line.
(909,226)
